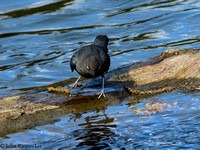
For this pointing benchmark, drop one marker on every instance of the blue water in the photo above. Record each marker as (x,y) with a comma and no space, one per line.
(117,127)
(38,38)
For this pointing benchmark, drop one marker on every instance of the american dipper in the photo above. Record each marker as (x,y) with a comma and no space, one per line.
(92,60)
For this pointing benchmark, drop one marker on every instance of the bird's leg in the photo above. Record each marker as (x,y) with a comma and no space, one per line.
(102,90)
(76,83)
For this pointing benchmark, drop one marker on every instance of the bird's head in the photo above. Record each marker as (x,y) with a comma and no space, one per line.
(101,40)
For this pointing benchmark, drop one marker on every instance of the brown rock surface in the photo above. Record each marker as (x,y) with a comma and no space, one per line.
(171,65)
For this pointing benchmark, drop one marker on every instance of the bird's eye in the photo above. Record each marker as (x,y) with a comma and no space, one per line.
(88,68)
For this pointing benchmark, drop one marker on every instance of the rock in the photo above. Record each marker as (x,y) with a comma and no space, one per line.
(172,65)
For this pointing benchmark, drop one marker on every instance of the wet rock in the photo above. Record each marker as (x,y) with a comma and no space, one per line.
(172,65)
(26,111)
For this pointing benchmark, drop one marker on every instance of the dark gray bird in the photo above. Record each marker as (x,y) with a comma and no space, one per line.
(92,60)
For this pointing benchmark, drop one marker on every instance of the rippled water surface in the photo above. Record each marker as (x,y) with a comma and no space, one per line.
(38,38)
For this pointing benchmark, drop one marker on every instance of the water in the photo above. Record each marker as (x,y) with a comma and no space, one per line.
(118,127)
(37,40)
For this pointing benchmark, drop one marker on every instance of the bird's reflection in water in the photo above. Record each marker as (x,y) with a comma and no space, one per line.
(96,132)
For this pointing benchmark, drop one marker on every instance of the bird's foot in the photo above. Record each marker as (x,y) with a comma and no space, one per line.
(101,94)
(74,86)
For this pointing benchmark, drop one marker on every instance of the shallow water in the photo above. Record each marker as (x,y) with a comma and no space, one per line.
(119,127)
(37,40)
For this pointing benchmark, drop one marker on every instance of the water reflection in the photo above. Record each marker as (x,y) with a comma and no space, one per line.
(117,127)
(37,8)
(96,133)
